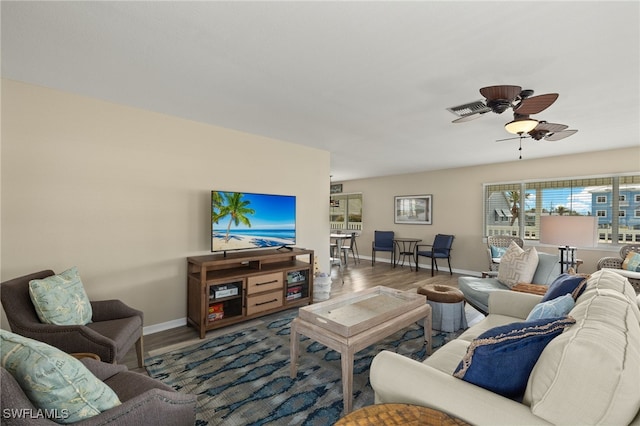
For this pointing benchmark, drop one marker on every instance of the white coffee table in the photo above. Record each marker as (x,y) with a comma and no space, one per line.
(350,323)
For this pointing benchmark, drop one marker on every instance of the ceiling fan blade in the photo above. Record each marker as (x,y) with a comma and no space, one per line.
(469,117)
(550,127)
(559,135)
(509,93)
(535,104)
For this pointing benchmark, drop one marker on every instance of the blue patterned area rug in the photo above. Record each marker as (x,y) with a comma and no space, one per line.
(242,377)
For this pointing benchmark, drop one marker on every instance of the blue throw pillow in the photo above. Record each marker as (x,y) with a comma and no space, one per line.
(501,359)
(566,283)
(497,252)
(554,308)
(632,262)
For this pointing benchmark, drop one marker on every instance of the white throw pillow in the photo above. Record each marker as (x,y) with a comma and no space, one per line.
(517,265)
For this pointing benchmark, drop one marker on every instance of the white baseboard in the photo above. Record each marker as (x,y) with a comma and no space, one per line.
(428,266)
(155,328)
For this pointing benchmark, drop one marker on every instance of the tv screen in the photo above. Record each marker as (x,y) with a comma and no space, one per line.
(243,220)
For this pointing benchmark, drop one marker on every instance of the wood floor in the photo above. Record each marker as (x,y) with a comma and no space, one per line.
(353,277)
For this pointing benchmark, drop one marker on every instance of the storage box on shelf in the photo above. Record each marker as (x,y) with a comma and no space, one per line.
(224,290)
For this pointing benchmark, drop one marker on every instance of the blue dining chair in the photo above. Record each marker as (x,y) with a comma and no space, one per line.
(440,249)
(383,241)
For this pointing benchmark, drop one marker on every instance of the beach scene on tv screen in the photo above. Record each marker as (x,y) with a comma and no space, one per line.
(245,220)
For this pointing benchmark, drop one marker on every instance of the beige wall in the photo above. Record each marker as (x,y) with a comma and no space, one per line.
(123,194)
(457,201)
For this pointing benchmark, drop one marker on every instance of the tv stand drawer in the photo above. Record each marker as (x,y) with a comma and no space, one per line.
(266,282)
(264,302)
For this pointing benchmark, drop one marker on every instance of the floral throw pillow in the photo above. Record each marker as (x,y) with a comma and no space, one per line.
(53,380)
(61,299)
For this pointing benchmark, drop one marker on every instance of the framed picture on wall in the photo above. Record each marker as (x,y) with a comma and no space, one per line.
(335,188)
(413,209)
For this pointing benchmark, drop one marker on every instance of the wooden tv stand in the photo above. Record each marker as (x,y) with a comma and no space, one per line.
(228,289)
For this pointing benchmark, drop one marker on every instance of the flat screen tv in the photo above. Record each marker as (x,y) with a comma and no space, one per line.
(244,220)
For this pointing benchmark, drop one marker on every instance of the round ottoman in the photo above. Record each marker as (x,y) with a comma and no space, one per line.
(447,307)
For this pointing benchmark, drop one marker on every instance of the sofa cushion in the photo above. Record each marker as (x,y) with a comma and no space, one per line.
(566,283)
(590,373)
(517,265)
(61,299)
(632,262)
(554,308)
(625,273)
(502,358)
(609,279)
(53,380)
(548,268)
(476,290)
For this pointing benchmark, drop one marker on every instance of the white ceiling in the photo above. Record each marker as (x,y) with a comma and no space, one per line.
(368,81)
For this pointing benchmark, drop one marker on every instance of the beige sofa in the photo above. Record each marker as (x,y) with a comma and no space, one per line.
(590,374)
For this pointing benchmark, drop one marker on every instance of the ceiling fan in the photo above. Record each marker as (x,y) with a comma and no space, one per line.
(546,131)
(500,98)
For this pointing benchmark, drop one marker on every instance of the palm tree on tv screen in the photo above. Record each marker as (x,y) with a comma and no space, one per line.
(231,204)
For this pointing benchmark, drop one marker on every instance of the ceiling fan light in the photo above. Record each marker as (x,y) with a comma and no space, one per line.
(521,126)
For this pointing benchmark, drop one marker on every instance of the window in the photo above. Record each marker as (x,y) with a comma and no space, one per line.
(345,212)
(526,202)
(502,204)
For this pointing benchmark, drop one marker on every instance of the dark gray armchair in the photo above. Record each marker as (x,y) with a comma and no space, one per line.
(145,401)
(114,329)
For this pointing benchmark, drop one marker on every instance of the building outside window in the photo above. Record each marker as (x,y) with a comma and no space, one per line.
(515,208)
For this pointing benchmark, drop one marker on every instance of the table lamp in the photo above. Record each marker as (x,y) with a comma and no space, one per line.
(569,232)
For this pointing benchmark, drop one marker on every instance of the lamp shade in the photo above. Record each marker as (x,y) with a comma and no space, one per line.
(576,231)
(521,125)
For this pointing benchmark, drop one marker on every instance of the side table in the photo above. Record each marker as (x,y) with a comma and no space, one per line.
(398,414)
(406,247)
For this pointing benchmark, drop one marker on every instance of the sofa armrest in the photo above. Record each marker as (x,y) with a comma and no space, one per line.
(512,303)
(102,370)
(398,379)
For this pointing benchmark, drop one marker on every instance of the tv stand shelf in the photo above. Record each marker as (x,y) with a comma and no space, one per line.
(225,289)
